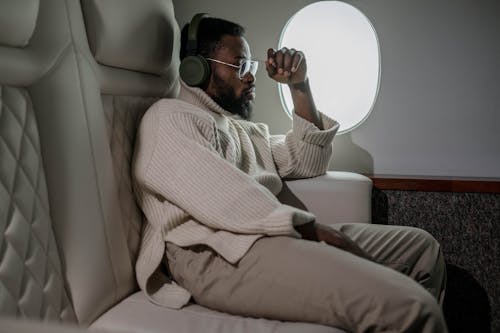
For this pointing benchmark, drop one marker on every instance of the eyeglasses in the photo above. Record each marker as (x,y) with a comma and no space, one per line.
(246,66)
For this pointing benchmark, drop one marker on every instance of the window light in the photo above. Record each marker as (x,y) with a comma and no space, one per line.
(343,60)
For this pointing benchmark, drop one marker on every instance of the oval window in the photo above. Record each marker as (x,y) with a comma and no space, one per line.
(343,60)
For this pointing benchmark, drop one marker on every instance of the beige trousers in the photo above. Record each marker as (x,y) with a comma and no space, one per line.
(297,280)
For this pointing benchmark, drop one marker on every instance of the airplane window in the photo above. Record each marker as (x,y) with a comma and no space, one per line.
(343,60)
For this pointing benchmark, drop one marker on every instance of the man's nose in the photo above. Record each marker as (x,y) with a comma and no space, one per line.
(249,77)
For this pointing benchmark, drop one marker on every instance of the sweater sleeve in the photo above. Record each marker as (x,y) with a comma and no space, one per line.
(305,151)
(186,170)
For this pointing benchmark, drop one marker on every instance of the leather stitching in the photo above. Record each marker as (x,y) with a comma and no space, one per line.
(30,271)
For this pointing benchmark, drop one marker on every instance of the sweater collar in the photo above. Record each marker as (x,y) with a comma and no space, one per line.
(198,97)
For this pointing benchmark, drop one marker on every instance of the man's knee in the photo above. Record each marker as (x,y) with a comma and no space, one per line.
(428,238)
(430,267)
(427,245)
(430,245)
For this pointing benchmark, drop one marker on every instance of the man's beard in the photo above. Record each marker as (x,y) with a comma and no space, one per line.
(226,98)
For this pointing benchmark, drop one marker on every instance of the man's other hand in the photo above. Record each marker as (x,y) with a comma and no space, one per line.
(286,66)
(318,232)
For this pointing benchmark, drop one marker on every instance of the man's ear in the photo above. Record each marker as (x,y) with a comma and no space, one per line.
(209,86)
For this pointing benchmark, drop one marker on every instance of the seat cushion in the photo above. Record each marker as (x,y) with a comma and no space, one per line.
(137,314)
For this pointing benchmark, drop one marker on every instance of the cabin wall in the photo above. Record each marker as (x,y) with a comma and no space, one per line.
(438,108)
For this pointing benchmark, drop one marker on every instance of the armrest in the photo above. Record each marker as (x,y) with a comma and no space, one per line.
(336,197)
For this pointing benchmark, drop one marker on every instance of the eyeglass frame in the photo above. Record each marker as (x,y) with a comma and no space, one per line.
(240,76)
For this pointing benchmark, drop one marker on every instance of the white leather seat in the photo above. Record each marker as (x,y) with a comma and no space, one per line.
(137,314)
(82,73)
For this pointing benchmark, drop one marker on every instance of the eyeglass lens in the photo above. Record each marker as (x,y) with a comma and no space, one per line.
(248,66)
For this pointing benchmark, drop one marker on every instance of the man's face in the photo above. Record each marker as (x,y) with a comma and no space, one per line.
(225,87)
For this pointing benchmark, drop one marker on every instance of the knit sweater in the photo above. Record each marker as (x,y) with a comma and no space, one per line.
(203,176)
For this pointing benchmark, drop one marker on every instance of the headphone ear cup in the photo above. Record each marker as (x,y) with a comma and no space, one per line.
(194,70)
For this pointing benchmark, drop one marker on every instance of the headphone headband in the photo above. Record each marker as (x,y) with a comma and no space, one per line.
(192,38)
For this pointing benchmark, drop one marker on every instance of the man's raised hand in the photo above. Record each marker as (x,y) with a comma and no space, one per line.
(286,66)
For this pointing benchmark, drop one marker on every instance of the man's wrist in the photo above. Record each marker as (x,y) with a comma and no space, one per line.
(300,86)
(307,231)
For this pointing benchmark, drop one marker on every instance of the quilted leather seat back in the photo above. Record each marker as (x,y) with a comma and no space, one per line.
(65,94)
(87,94)
(93,231)
(126,52)
(147,33)
(31,278)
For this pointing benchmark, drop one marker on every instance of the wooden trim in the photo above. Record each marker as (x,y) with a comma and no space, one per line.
(436,184)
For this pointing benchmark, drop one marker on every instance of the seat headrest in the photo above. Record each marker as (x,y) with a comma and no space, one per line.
(17,21)
(135,35)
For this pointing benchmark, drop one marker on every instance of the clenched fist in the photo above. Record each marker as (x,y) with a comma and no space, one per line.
(286,66)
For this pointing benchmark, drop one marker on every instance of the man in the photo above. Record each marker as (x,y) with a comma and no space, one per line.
(207,178)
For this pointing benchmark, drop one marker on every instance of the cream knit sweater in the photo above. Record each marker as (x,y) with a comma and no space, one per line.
(201,176)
